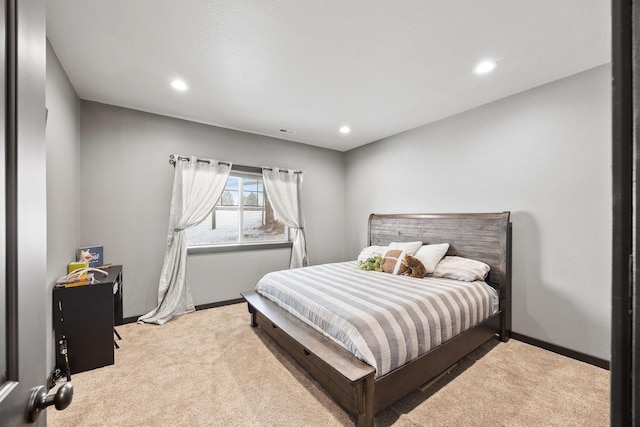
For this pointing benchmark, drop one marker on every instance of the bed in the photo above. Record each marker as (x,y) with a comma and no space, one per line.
(358,386)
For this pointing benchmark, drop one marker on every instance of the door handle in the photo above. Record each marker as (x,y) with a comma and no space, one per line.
(39,400)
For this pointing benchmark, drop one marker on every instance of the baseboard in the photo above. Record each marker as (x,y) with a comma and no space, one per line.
(596,361)
(219,304)
(134,319)
(592,360)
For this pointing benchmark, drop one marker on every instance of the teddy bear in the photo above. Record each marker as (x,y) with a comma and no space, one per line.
(415,267)
(372,264)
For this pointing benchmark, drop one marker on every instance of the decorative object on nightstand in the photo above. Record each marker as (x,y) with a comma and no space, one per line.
(93,255)
(73,266)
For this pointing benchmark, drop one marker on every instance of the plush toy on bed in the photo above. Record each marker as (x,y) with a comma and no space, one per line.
(415,267)
(372,264)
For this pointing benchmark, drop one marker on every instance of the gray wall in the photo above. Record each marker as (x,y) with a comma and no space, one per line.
(63,174)
(126,183)
(544,155)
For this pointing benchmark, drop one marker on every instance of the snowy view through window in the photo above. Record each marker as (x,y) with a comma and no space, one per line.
(243,215)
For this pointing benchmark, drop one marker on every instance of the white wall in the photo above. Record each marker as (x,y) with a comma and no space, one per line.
(63,174)
(126,184)
(544,155)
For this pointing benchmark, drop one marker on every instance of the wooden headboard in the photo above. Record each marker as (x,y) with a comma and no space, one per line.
(485,237)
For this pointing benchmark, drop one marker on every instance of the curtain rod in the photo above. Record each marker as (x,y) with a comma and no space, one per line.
(172,162)
(281,170)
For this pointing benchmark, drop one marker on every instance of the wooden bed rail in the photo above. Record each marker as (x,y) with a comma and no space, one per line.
(349,380)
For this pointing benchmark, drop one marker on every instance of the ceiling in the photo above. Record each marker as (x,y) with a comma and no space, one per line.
(309,67)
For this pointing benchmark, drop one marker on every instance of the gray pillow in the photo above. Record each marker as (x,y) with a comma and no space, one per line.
(459,268)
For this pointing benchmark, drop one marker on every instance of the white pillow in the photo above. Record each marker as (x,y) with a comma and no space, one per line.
(370,252)
(430,255)
(458,268)
(409,247)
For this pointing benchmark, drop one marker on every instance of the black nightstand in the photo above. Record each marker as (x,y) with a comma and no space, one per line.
(84,316)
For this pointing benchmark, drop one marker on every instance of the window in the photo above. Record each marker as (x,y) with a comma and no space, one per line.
(243,215)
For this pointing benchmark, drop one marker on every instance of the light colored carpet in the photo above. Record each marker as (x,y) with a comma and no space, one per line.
(210,368)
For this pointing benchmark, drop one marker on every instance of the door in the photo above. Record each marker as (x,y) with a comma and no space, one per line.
(23,338)
(625,346)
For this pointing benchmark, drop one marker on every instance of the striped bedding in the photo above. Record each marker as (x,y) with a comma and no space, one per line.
(383,319)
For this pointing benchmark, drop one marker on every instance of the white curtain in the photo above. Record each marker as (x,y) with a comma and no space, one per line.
(197,186)
(284,190)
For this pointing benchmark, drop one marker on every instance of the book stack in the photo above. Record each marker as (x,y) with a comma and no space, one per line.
(77,278)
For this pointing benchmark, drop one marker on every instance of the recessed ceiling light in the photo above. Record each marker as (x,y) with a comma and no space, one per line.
(485,67)
(178,84)
(345,129)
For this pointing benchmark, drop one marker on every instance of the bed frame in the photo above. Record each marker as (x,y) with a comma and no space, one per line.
(350,381)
